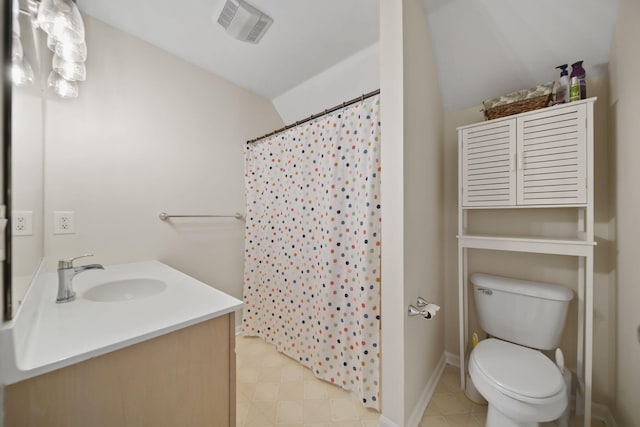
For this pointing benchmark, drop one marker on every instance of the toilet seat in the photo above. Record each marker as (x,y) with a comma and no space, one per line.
(521,385)
(519,372)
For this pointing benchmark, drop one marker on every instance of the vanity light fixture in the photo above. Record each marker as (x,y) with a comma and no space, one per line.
(69,70)
(21,71)
(62,22)
(61,87)
(74,52)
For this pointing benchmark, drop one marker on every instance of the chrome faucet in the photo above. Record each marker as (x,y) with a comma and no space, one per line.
(66,273)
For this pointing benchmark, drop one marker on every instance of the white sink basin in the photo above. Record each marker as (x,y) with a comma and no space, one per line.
(125,290)
(124,304)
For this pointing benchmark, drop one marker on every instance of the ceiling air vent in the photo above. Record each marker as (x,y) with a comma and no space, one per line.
(243,21)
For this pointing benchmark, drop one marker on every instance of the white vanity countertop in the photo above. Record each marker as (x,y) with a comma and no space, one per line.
(63,334)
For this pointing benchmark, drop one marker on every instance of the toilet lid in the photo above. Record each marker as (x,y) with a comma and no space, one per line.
(517,370)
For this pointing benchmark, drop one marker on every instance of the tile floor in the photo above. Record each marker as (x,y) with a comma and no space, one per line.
(274,390)
(449,406)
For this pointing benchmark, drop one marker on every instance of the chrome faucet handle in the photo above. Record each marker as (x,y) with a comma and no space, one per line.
(68,263)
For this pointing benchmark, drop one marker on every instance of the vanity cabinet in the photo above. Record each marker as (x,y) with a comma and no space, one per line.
(533,159)
(184,378)
(536,160)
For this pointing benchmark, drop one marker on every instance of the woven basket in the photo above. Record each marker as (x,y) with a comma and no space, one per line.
(519,101)
(517,107)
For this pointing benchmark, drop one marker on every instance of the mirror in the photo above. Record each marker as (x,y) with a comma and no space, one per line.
(5,43)
(26,191)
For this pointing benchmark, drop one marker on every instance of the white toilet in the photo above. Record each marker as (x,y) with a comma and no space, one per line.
(522,386)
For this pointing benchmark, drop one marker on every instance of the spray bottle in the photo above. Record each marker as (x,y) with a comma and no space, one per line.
(562,85)
(578,89)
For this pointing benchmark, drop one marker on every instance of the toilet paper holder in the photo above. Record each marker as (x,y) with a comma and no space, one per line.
(423,308)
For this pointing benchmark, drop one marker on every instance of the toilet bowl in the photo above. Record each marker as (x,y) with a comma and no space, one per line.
(522,386)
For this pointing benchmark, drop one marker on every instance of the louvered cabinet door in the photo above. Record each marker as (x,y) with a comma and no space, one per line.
(552,157)
(488,164)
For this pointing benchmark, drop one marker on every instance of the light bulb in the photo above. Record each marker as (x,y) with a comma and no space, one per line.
(61,87)
(21,73)
(66,89)
(69,70)
(73,52)
(51,43)
(16,21)
(61,19)
(16,50)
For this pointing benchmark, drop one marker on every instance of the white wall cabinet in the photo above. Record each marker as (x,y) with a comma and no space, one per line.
(540,159)
(531,159)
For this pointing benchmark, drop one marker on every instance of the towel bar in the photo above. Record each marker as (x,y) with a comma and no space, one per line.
(165,216)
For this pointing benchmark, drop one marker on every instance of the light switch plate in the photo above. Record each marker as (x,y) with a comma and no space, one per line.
(64,222)
(22,223)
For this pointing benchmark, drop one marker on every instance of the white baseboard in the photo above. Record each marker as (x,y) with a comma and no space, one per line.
(602,413)
(427,393)
(610,421)
(385,422)
(452,359)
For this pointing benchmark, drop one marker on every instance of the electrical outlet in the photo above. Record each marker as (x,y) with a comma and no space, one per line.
(64,222)
(22,224)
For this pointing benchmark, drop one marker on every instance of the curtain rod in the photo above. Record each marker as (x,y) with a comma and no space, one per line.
(315,116)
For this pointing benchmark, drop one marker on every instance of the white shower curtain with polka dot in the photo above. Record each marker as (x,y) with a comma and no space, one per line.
(312,246)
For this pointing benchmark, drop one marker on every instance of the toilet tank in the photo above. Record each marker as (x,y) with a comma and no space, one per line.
(524,312)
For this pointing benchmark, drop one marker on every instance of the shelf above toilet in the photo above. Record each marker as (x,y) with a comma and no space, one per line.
(573,247)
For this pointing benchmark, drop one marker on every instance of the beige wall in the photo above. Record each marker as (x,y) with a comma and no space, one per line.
(412,209)
(423,183)
(553,269)
(150,133)
(625,130)
(450,228)
(356,75)
(392,193)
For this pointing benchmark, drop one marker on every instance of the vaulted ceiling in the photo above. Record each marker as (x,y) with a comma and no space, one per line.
(486,48)
(483,48)
(306,37)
